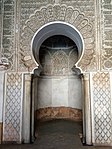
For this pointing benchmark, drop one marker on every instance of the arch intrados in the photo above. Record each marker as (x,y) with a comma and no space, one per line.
(56,28)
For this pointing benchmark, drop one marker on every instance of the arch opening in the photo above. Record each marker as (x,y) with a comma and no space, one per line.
(53,29)
(58,47)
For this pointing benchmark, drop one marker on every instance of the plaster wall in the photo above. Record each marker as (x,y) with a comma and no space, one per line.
(59,91)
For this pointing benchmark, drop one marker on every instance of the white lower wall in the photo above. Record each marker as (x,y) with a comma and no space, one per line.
(75,92)
(59,91)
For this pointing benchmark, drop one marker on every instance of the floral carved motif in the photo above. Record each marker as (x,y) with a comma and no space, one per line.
(62,13)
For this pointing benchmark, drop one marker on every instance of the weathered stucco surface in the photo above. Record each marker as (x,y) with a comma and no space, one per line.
(19,21)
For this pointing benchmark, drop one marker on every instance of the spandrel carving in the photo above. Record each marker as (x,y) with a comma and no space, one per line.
(67,14)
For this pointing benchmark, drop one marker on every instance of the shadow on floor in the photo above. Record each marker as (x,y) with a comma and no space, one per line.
(56,134)
(59,133)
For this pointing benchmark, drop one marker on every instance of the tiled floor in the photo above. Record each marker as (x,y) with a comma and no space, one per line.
(57,134)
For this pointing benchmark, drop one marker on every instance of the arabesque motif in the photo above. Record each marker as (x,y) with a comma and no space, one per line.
(63,13)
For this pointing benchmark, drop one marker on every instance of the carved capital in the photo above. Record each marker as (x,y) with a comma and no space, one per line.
(4,64)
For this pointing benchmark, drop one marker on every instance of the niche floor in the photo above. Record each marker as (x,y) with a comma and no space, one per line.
(56,134)
(59,134)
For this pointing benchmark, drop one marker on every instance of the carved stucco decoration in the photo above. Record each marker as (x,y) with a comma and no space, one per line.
(58,62)
(4,64)
(63,13)
(7,33)
(101,102)
(106,26)
(12,119)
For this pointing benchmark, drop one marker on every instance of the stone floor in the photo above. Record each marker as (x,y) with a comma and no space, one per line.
(56,134)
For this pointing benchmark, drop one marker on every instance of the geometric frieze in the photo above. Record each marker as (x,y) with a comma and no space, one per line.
(12,120)
(101,108)
(106,18)
(62,13)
